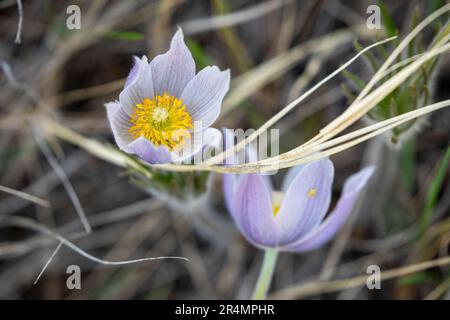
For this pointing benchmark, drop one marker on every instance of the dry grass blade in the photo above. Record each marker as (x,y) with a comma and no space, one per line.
(26,196)
(33,225)
(379,74)
(314,152)
(63,177)
(219,158)
(316,288)
(48,262)
(314,149)
(232,19)
(20,23)
(252,81)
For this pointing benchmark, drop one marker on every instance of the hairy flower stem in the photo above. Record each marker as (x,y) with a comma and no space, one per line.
(265,275)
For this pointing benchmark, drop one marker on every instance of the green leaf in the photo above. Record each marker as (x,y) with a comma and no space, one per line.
(434,5)
(124,35)
(357,81)
(200,56)
(368,55)
(388,22)
(416,278)
(407,160)
(434,190)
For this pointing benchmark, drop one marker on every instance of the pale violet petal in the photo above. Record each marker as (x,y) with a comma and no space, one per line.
(320,235)
(229,185)
(253,211)
(174,69)
(306,200)
(132,74)
(195,149)
(139,88)
(119,122)
(148,152)
(203,95)
(290,175)
(246,155)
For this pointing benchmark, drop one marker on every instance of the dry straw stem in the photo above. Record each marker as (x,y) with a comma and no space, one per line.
(362,105)
(220,158)
(322,145)
(231,19)
(320,142)
(316,288)
(336,124)
(118,158)
(63,178)
(25,196)
(249,83)
(94,147)
(35,226)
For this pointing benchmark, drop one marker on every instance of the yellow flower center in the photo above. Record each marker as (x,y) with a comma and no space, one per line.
(277,198)
(162,120)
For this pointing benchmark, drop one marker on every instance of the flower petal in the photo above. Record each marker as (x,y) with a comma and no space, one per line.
(174,69)
(137,86)
(229,185)
(132,75)
(145,150)
(119,122)
(246,155)
(230,181)
(203,95)
(194,148)
(337,218)
(253,211)
(290,175)
(306,200)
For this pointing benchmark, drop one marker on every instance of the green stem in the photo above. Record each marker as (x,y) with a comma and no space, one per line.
(265,275)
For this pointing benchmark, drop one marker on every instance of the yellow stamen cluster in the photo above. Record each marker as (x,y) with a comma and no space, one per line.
(162,120)
(277,198)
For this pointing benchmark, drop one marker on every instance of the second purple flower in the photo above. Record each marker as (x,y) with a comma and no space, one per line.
(292,219)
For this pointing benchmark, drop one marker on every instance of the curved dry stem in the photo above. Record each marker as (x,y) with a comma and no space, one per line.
(35,226)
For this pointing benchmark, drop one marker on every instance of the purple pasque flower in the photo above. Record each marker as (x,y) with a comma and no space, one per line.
(292,219)
(165,110)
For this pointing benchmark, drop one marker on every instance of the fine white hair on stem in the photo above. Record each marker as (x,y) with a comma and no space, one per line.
(48,262)
(25,196)
(62,176)
(35,226)
(20,22)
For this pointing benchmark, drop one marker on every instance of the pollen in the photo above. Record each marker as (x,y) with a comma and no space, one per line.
(277,198)
(275,210)
(312,193)
(162,120)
